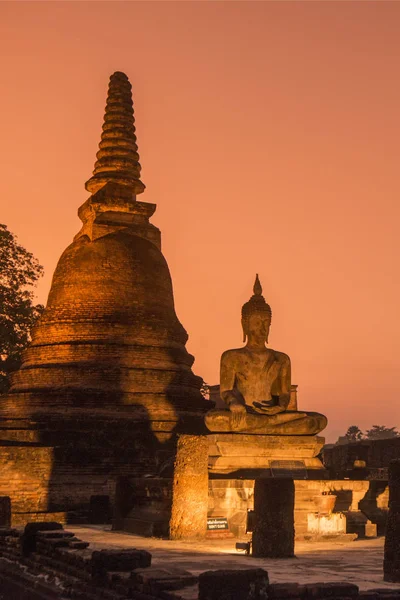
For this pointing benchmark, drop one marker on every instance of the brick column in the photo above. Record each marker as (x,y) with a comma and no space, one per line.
(273,535)
(190,488)
(391,562)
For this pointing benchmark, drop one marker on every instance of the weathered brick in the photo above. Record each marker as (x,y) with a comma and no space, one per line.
(246,584)
(330,590)
(284,590)
(119,560)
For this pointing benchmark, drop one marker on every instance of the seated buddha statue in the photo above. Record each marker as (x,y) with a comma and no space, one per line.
(255,383)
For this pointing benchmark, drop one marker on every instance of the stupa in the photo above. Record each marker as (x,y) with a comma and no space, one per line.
(106,382)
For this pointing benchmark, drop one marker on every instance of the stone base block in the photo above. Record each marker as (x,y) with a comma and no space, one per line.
(323,525)
(230,584)
(371,530)
(232,452)
(356,522)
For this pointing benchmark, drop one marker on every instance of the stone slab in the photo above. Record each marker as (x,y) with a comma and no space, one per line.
(232,451)
(233,444)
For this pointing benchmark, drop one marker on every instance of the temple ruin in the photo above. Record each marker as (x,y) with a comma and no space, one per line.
(105,420)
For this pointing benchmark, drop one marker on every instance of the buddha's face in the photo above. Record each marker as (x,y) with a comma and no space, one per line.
(256,328)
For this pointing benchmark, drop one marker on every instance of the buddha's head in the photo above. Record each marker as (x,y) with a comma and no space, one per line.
(256,316)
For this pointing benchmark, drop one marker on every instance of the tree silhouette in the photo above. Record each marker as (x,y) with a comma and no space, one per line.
(19,272)
(381,432)
(354,433)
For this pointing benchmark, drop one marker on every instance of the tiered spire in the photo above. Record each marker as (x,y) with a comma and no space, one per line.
(117,158)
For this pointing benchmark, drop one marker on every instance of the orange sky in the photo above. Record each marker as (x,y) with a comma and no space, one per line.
(269,136)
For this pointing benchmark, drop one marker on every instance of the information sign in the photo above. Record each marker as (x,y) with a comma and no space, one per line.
(217,523)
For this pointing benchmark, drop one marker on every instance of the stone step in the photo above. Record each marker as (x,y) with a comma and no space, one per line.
(58,542)
(55,533)
(155,579)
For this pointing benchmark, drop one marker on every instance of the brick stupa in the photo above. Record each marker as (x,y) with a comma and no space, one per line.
(106,382)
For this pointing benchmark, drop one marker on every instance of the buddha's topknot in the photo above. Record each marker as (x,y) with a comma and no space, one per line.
(256,303)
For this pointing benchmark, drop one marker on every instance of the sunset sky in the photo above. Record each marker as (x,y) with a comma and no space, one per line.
(269,138)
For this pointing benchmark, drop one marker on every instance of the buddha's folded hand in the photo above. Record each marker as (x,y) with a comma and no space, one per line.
(267,407)
(237,407)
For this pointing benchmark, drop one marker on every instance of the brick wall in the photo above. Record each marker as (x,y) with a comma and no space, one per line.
(25,473)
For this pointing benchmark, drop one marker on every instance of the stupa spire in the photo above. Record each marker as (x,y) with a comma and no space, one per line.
(117,158)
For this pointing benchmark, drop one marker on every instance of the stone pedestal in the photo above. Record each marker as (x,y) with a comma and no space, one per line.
(229,453)
(273,535)
(330,525)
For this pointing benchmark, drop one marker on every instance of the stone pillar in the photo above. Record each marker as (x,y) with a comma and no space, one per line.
(190,488)
(391,562)
(273,535)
